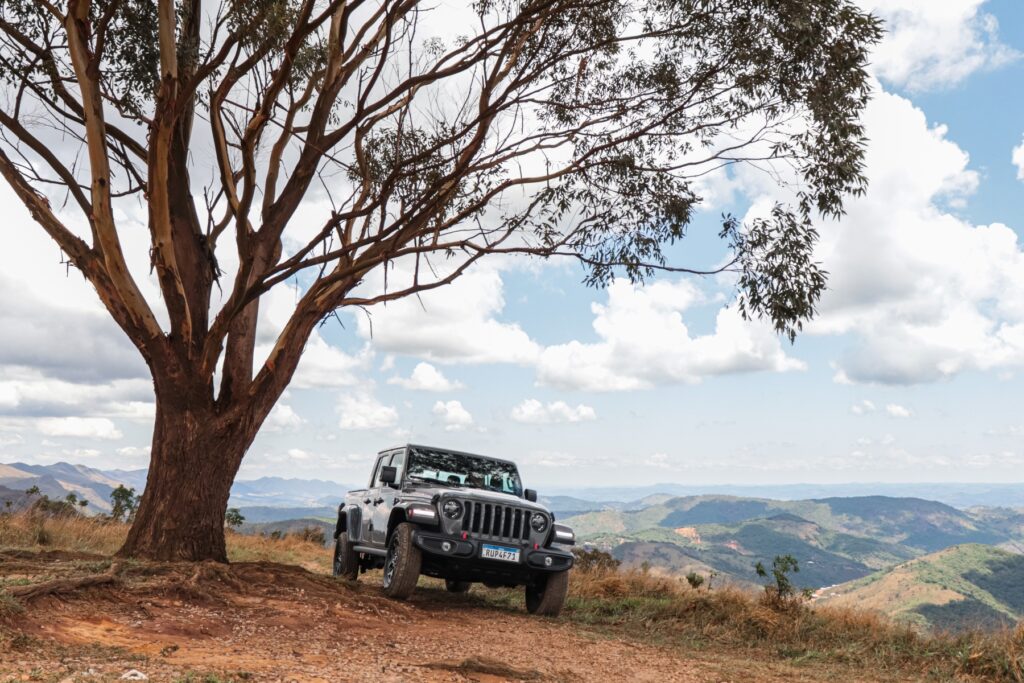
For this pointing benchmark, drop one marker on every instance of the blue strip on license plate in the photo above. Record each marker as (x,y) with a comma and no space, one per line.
(499,552)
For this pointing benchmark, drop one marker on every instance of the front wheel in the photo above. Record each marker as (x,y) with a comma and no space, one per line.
(547,595)
(401,564)
(457,586)
(346,559)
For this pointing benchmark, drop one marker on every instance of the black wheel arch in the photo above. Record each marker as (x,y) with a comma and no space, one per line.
(348,520)
(397,517)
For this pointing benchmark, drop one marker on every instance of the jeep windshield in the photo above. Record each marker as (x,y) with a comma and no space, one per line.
(459,469)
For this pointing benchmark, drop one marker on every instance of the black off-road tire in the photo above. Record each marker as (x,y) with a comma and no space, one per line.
(346,559)
(457,586)
(547,595)
(402,563)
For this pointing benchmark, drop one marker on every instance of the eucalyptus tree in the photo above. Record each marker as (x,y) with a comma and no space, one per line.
(312,143)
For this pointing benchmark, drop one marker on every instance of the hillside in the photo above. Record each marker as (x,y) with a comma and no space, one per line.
(834,539)
(67,611)
(966,586)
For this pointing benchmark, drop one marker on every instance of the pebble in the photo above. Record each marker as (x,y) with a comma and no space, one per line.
(134,675)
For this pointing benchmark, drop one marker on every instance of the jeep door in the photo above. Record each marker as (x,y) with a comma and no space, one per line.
(384,497)
(371,494)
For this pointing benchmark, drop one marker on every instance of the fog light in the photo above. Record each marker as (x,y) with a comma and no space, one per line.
(446,546)
(548,560)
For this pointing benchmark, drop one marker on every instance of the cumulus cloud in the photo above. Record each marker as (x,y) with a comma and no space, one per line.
(931,44)
(1018,160)
(283,418)
(456,323)
(453,415)
(426,377)
(643,342)
(921,293)
(80,427)
(896,410)
(532,411)
(363,411)
(863,408)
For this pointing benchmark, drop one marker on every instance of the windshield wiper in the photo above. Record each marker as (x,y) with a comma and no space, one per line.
(434,481)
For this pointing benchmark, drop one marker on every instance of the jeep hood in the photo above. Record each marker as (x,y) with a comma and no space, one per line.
(477,495)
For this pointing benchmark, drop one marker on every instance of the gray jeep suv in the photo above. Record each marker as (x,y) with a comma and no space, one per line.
(455,516)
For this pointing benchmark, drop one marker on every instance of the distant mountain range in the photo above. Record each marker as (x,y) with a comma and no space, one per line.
(965,586)
(834,539)
(60,479)
(957,495)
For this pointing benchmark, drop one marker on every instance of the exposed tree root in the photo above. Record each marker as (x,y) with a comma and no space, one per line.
(63,586)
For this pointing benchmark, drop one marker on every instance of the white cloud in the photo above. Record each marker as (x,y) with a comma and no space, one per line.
(455,323)
(81,427)
(426,377)
(283,418)
(454,416)
(9,397)
(921,293)
(896,410)
(863,407)
(298,454)
(644,342)
(362,411)
(532,411)
(1018,160)
(935,43)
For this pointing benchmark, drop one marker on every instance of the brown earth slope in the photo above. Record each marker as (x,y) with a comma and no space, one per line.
(268,622)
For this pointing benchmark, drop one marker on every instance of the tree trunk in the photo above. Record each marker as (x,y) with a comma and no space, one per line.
(194,459)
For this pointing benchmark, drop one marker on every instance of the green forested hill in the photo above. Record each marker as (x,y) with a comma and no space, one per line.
(966,586)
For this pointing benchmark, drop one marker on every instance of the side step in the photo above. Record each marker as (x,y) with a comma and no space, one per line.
(370,551)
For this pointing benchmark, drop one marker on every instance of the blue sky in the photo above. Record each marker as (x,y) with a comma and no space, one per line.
(911,373)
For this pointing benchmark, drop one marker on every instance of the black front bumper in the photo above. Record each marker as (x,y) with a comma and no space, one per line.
(462,561)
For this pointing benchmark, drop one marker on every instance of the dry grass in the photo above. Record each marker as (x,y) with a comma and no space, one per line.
(667,610)
(27,531)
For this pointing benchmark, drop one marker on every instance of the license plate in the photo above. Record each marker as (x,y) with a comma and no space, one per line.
(499,552)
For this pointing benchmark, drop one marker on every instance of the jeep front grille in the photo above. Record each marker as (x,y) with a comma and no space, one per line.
(496,522)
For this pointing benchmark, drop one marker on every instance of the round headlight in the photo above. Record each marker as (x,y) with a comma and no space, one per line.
(452,509)
(539,523)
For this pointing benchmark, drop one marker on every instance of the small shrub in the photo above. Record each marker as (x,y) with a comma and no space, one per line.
(123,504)
(695,580)
(594,560)
(49,507)
(312,534)
(234,518)
(780,594)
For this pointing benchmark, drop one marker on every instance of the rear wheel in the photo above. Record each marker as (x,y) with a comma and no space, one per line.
(547,595)
(401,564)
(346,559)
(457,586)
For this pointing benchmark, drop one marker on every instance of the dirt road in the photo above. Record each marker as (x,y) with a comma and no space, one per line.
(266,622)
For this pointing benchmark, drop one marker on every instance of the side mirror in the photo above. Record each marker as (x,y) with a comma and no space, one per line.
(530,495)
(388,475)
